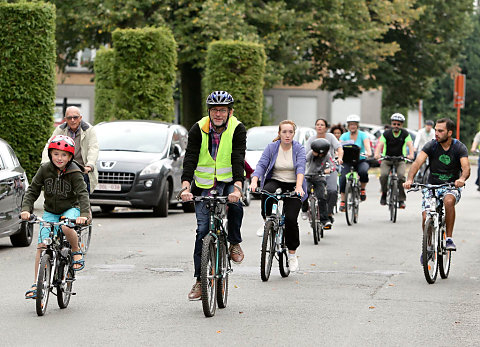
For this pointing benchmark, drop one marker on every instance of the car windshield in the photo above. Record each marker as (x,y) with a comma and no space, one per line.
(258,139)
(132,137)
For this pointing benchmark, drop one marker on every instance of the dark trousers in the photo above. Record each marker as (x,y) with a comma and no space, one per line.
(477,182)
(87,181)
(320,190)
(362,169)
(291,207)
(234,216)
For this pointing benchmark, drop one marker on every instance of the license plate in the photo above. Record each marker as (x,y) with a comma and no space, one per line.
(109,186)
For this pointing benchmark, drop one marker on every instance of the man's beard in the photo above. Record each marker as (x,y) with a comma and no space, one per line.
(443,140)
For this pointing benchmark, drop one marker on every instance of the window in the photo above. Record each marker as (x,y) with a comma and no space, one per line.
(82,61)
(6,156)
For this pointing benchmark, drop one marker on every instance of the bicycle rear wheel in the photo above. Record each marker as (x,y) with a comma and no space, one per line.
(84,237)
(65,278)
(445,256)
(430,251)
(268,251)
(313,223)
(43,284)
(349,203)
(222,282)
(208,275)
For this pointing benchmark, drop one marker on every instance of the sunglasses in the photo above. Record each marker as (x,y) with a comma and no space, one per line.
(72,117)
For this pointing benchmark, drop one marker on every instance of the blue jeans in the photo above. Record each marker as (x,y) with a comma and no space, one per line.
(87,182)
(234,216)
(72,213)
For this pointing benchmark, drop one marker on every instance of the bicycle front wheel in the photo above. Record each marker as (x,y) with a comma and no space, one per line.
(445,256)
(393,202)
(65,278)
(208,275)
(430,251)
(43,284)
(349,203)
(314,220)
(222,283)
(84,237)
(268,251)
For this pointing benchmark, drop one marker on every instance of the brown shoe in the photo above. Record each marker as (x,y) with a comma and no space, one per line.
(196,292)
(236,253)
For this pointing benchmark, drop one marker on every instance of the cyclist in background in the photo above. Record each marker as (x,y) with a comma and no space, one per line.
(424,135)
(282,165)
(448,164)
(320,161)
(215,159)
(335,149)
(394,142)
(475,148)
(359,138)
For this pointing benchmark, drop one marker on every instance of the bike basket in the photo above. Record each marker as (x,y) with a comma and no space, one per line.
(351,154)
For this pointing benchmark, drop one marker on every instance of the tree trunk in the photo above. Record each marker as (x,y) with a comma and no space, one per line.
(191,86)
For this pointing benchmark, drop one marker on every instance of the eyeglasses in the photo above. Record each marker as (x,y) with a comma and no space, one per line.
(72,117)
(222,111)
(396,124)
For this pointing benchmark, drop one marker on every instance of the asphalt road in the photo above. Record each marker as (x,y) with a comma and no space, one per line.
(362,285)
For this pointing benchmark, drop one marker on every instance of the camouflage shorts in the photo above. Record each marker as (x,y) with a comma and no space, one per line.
(440,193)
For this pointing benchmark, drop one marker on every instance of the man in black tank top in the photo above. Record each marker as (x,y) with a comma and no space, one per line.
(448,163)
(394,143)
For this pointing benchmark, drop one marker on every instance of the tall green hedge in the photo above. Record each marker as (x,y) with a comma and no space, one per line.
(104,85)
(27,78)
(144,73)
(239,68)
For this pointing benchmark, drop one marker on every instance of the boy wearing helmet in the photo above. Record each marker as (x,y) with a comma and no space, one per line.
(394,142)
(65,194)
(319,161)
(215,159)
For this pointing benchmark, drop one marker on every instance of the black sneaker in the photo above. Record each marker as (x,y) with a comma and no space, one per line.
(383,199)
(401,204)
(327,225)
(331,219)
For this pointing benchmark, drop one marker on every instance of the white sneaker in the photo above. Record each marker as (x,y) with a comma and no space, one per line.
(292,262)
(304,215)
(260,232)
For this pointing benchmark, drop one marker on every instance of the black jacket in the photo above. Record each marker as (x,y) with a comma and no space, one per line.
(239,146)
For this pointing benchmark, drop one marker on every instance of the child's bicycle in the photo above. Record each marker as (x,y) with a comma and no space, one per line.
(55,272)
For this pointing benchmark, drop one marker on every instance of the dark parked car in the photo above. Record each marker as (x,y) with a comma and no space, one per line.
(13,184)
(140,165)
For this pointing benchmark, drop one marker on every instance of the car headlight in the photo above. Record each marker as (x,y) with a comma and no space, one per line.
(151,169)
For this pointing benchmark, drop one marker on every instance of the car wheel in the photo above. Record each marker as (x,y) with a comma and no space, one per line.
(161,210)
(107,208)
(24,236)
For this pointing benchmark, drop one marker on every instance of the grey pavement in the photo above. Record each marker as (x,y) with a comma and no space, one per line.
(362,285)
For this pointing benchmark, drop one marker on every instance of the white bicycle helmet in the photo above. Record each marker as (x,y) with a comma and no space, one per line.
(398,117)
(353,118)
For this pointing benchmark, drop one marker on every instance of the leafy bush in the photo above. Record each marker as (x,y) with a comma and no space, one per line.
(104,85)
(239,68)
(27,78)
(144,73)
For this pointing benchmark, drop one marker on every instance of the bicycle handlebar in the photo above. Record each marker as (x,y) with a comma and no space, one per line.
(185,188)
(417,186)
(278,196)
(69,222)
(395,158)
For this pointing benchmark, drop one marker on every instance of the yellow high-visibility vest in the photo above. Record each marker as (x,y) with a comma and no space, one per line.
(220,169)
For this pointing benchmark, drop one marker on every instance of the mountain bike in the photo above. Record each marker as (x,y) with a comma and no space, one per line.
(435,256)
(215,262)
(392,185)
(55,272)
(351,156)
(314,207)
(273,243)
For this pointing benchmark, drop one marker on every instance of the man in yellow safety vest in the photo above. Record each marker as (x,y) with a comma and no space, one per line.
(215,159)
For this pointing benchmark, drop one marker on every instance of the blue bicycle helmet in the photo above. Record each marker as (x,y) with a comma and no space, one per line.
(219,97)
